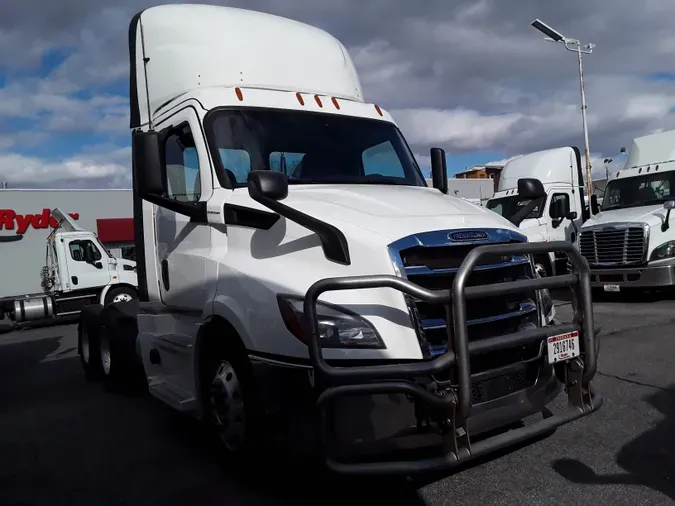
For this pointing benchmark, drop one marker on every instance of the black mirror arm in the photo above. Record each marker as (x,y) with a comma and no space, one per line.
(517,218)
(666,223)
(333,241)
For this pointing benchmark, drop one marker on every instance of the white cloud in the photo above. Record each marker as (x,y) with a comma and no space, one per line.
(107,168)
(465,75)
(458,128)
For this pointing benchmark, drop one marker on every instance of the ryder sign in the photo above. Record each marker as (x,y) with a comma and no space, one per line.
(11,220)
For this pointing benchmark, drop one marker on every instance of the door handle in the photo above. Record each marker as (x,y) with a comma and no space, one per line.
(74,279)
(165,274)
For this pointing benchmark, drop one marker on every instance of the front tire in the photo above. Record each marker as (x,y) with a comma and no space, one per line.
(231,407)
(121,294)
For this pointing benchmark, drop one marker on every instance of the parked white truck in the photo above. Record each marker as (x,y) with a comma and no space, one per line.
(335,283)
(555,216)
(629,242)
(78,271)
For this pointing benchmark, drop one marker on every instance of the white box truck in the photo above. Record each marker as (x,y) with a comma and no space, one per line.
(555,216)
(629,242)
(296,272)
(78,270)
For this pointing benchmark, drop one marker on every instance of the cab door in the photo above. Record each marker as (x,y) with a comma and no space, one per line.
(182,245)
(182,248)
(82,275)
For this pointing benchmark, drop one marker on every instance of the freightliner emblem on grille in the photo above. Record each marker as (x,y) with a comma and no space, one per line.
(467,235)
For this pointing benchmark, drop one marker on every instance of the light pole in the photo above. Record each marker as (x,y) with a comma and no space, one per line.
(574,45)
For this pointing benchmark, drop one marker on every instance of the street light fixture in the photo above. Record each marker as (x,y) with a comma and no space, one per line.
(574,45)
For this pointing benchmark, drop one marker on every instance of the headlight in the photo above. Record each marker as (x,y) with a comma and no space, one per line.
(338,327)
(666,250)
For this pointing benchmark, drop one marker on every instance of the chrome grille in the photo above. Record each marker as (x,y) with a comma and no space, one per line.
(432,265)
(613,245)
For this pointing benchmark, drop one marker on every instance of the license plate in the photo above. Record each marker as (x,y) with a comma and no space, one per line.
(563,347)
(612,288)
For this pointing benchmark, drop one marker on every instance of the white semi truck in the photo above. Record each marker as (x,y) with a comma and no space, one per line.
(334,283)
(78,271)
(555,216)
(629,242)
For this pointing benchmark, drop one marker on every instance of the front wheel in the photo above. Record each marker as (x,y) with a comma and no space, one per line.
(231,408)
(120,294)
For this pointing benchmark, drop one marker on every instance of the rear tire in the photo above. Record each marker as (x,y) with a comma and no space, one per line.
(87,342)
(121,368)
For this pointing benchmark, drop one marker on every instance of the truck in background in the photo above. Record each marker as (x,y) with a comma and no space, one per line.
(334,301)
(555,216)
(78,271)
(629,242)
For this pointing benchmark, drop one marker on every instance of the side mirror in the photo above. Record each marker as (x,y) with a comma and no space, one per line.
(88,254)
(267,184)
(559,209)
(147,165)
(530,188)
(595,208)
(439,170)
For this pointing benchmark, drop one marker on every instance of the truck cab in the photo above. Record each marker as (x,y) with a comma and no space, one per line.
(557,214)
(629,242)
(298,277)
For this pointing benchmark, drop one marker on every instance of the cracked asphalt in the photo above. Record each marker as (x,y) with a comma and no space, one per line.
(65,441)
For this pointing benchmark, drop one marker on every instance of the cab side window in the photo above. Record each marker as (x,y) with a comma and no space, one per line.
(556,197)
(77,250)
(182,165)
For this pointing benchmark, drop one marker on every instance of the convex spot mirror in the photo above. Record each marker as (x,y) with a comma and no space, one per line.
(268,184)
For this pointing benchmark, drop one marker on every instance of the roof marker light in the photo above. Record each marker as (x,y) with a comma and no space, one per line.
(648,169)
(318,100)
(617,174)
(379,111)
(640,171)
(656,168)
(239,94)
(300,99)
(335,103)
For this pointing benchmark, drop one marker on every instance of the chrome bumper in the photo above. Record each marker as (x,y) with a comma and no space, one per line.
(647,276)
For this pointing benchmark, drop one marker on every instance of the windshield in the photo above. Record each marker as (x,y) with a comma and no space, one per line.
(649,189)
(509,206)
(311,147)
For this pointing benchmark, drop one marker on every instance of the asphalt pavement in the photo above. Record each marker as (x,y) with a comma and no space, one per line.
(66,441)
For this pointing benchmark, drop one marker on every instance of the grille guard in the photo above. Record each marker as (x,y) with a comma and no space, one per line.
(334,382)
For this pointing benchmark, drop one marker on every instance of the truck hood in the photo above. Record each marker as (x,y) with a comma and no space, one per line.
(651,215)
(392,211)
(534,231)
(121,262)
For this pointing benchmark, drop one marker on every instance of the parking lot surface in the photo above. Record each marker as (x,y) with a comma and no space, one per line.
(66,441)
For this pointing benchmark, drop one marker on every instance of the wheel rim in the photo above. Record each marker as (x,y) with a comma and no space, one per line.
(85,346)
(104,345)
(227,406)
(121,297)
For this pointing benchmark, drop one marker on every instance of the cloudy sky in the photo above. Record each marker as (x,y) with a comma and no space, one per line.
(472,77)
